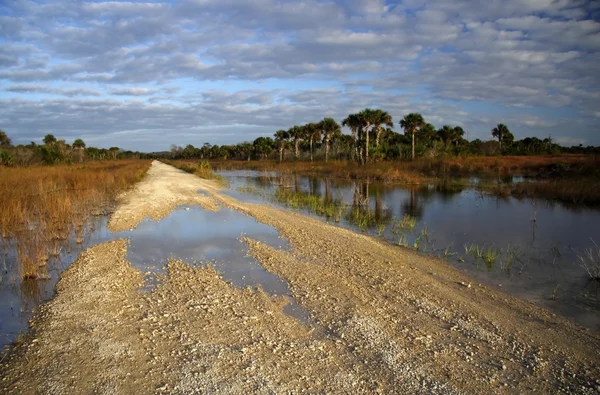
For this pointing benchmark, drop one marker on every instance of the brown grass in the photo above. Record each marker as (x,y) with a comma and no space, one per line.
(200,168)
(424,170)
(582,191)
(41,206)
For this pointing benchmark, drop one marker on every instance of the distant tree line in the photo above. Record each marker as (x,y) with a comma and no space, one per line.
(53,151)
(371,139)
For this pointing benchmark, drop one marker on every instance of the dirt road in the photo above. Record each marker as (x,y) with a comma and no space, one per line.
(383,320)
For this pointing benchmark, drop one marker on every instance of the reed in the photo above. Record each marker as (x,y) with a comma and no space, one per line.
(589,260)
(448,251)
(408,222)
(42,205)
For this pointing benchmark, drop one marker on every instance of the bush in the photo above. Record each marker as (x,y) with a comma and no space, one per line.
(6,159)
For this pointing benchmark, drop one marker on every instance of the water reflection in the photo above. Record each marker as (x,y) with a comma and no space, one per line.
(528,247)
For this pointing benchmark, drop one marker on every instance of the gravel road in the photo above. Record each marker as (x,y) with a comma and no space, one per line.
(383,319)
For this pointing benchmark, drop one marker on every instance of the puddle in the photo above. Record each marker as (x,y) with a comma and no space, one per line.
(190,233)
(199,237)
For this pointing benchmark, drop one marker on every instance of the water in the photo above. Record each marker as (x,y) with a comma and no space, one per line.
(191,234)
(19,298)
(529,248)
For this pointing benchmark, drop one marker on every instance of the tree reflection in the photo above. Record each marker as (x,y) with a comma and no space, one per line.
(413,205)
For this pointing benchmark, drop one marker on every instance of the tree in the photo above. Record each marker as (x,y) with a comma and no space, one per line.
(502,133)
(354,122)
(245,150)
(114,151)
(446,135)
(458,135)
(331,129)
(411,124)
(4,139)
(313,133)
(205,150)
(281,137)
(49,139)
(263,146)
(368,117)
(427,135)
(79,145)
(381,118)
(296,133)
(92,152)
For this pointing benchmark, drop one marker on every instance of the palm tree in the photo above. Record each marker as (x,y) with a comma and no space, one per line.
(313,133)
(458,134)
(382,118)
(501,132)
(426,135)
(263,146)
(245,150)
(368,118)
(445,134)
(297,133)
(49,139)
(354,123)
(79,145)
(411,124)
(4,139)
(114,151)
(331,129)
(281,136)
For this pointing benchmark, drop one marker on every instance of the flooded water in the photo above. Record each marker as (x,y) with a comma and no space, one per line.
(529,248)
(194,235)
(200,237)
(18,298)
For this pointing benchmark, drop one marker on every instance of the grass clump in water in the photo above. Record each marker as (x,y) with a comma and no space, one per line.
(312,203)
(590,261)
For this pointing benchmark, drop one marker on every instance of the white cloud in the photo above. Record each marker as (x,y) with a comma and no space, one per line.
(133,91)
(53,91)
(323,57)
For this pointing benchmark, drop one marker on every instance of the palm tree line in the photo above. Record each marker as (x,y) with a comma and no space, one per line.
(372,139)
(369,128)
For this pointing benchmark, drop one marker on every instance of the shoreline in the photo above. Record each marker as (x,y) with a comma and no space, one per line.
(567,179)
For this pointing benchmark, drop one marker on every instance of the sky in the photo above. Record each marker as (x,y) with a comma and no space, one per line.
(145,75)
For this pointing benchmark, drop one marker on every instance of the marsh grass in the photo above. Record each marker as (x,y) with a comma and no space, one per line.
(426,168)
(408,222)
(312,203)
(248,189)
(381,226)
(589,260)
(474,250)
(448,251)
(201,169)
(41,206)
(490,256)
(571,179)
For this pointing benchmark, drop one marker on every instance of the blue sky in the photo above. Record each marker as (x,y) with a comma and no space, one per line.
(145,75)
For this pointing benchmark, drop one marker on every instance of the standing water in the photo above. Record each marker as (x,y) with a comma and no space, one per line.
(534,249)
(190,233)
